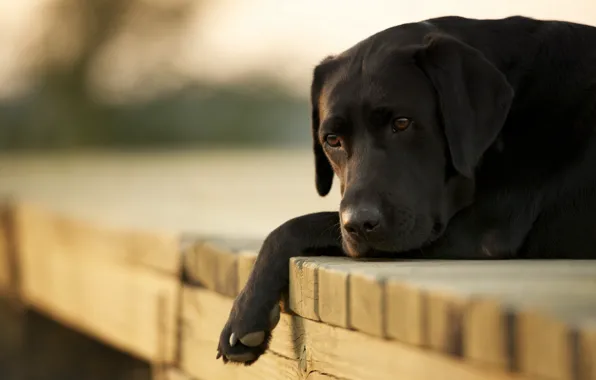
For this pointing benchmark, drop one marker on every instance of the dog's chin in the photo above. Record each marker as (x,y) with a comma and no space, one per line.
(357,249)
(354,250)
(387,248)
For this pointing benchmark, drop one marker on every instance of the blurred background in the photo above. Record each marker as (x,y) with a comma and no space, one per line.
(184,115)
(187,112)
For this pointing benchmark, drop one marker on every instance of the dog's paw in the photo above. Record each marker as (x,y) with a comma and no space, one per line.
(246,335)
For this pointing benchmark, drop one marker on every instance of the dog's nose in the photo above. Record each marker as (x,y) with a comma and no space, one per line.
(362,221)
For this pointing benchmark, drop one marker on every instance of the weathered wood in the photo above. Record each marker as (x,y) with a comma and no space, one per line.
(405,308)
(35,347)
(6,267)
(301,347)
(174,374)
(9,265)
(473,318)
(464,308)
(304,285)
(587,346)
(203,315)
(303,294)
(214,263)
(333,294)
(246,261)
(548,341)
(491,324)
(118,286)
(367,301)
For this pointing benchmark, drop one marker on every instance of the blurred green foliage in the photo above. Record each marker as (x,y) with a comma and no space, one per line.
(61,113)
(198,115)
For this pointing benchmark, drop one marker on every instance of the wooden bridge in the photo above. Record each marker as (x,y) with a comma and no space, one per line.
(91,253)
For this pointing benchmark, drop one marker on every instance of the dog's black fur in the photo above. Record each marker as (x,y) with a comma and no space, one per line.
(452,138)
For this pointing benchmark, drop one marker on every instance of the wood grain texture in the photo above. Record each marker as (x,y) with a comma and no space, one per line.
(304,285)
(549,340)
(476,310)
(333,293)
(7,254)
(212,267)
(504,326)
(303,293)
(173,374)
(482,319)
(405,308)
(302,348)
(367,301)
(587,349)
(246,261)
(120,287)
(213,263)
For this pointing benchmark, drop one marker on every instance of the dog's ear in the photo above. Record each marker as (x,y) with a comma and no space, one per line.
(323,171)
(475,97)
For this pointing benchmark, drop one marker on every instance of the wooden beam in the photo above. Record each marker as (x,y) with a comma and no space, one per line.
(35,347)
(333,293)
(304,285)
(587,346)
(173,374)
(246,261)
(301,349)
(215,263)
(5,260)
(9,269)
(486,312)
(549,340)
(120,287)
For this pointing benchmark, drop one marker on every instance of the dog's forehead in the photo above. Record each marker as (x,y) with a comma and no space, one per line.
(382,82)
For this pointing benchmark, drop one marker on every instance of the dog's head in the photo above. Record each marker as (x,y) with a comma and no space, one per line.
(403,119)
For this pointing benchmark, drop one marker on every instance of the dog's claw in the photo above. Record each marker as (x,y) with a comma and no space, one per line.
(233,339)
(253,339)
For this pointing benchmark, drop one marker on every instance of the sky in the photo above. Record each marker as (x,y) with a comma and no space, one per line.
(234,39)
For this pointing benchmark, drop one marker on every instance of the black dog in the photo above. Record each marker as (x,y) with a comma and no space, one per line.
(452,138)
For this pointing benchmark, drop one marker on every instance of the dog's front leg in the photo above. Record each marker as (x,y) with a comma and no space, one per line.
(255,312)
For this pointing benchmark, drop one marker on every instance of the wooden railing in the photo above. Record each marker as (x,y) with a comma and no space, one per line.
(164,298)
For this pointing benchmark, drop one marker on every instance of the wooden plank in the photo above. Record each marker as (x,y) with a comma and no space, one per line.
(302,347)
(458,307)
(381,306)
(490,319)
(213,263)
(367,301)
(130,247)
(246,261)
(405,308)
(303,294)
(304,285)
(203,315)
(548,344)
(468,316)
(482,327)
(120,287)
(35,347)
(587,349)
(213,268)
(173,374)
(333,293)
(7,258)
(487,333)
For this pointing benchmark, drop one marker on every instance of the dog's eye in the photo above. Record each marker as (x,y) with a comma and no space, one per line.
(333,140)
(401,124)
